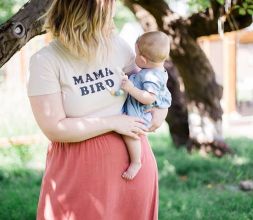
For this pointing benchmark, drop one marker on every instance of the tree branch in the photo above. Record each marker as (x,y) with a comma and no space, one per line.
(206,23)
(21,28)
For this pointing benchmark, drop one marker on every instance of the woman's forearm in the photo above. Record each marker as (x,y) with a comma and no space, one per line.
(51,118)
(78,129)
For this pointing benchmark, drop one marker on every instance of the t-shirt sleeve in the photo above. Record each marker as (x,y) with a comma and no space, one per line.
(43,75)
(129,57)
(165,100)
(151,83)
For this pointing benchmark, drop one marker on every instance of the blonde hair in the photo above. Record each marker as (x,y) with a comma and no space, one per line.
(82,26)
(154,45)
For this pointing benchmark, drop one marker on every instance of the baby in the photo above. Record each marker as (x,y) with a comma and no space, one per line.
(146,89)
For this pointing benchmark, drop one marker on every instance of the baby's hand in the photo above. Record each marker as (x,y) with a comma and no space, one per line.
(126,84)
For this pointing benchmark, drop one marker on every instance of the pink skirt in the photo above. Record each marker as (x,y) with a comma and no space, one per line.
(82,181)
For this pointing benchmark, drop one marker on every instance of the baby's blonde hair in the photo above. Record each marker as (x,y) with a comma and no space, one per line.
(83,26)
(154,46)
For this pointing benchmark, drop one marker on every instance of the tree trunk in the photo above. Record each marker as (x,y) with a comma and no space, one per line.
(21,28)
(177,117)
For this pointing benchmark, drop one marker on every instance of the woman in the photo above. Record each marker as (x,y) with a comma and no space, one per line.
(73,108)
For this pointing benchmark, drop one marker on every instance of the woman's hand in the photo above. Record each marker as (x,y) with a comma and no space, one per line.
(128,125)
(158,117)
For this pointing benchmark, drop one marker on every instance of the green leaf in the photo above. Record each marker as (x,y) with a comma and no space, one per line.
(250,11)
(221,1)
(245,5)
(236,6)
(242,11)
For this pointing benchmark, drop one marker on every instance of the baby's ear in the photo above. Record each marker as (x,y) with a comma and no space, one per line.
(144,59)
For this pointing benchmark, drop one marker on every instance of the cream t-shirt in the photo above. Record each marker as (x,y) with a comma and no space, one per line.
(82,85)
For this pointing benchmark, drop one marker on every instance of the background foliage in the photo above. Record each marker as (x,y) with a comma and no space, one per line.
(8,8)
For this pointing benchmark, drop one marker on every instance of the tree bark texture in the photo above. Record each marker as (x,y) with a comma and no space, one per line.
(21,28)
(177,116)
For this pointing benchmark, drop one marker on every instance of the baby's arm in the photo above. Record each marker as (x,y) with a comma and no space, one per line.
(142,96)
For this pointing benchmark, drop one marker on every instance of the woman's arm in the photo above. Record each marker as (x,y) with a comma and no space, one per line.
(141,96)
(51,118)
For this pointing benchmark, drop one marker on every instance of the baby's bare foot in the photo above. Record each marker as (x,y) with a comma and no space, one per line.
(131,171)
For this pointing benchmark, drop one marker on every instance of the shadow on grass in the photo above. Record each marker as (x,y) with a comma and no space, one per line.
(197,187)
(19,193)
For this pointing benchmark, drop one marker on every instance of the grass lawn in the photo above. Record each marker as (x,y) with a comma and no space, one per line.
(20,181)
(191,186)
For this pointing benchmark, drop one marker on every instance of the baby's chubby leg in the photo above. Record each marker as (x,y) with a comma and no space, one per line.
(134,150)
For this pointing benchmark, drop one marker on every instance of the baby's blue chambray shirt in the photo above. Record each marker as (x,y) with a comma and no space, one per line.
(154,81)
